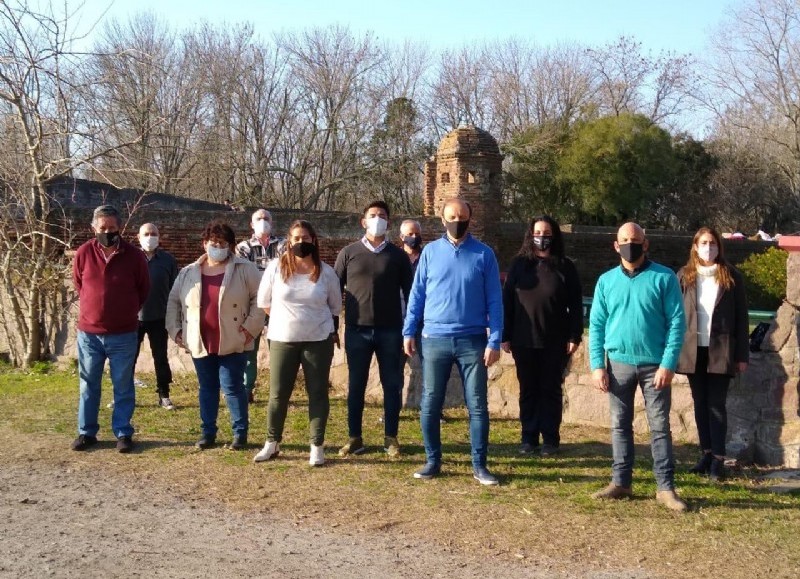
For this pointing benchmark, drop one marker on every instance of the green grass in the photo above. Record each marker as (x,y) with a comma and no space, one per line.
(542,507)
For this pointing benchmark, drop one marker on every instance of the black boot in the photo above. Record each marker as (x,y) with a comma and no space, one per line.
(717,470)
(703,465)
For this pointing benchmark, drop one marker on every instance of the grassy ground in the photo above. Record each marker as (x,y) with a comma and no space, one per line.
(541,513)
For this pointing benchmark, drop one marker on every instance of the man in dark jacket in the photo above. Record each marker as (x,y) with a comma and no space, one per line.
(112,282)
(163,270)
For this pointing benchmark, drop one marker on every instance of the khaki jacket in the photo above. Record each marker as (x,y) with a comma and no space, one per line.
(237,307)
(729,341)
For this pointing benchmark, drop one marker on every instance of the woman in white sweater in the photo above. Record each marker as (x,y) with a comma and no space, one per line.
(715,346)
(303,298)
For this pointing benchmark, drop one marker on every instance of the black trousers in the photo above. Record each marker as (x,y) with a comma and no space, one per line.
(540,373)
(156,332)
(709,392)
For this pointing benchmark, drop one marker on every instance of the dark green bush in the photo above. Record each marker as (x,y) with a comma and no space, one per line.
(765,279)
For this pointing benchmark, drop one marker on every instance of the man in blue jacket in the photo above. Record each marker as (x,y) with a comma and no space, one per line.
(635,336)
(457,295)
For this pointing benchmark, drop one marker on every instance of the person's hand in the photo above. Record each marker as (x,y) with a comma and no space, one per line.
(335,338)
(600,379)
(741,367)
(663,378)
(179,339)
(409,347)
(506,347)
(571,347)
(248,337)
(490,356)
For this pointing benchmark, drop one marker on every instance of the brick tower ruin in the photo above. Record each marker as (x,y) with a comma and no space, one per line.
(467,164)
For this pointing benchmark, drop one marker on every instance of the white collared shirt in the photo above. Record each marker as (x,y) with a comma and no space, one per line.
(369,245)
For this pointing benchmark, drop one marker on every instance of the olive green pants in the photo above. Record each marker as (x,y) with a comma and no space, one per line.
(285,359)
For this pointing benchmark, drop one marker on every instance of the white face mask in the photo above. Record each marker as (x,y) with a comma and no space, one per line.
(149,243)
(376,226)
(217,253)
(707,252)
(262,227)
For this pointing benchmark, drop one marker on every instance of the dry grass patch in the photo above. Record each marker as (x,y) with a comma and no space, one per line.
(541,513)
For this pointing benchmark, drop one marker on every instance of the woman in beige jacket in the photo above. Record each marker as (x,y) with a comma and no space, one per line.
(212,313)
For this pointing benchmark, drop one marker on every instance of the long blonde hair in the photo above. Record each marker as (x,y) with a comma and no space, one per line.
(723,275)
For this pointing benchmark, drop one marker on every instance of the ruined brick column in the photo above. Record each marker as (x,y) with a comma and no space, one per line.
(468,164)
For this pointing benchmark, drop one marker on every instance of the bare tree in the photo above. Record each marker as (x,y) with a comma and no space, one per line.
(337,101)
(754,83)
(46,133)
(630,80)
(152,84)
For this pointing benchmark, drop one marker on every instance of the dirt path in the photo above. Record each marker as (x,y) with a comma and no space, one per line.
(67,518)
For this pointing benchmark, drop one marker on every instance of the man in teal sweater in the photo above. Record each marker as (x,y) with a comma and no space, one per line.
(635,336)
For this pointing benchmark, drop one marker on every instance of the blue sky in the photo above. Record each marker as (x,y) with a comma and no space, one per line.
(675,25)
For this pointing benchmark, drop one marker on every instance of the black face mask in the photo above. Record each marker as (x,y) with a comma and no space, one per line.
(303,249)
(542,242)
(456,229)
(107,239)
(412,241)
(631,252)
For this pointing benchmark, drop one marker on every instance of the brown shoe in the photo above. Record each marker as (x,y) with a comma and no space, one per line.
(670,500)
(391,446)
(613,491)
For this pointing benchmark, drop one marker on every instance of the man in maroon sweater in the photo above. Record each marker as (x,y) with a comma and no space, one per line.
(112,281)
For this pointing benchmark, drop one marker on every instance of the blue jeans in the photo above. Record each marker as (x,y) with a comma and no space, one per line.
(226,373)
(360,342)
(438,356)
(93,351)
(623,379)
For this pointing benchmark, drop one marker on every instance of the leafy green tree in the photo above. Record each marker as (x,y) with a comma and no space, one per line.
(531,184)
(616,167)
(688,202)
(765,278)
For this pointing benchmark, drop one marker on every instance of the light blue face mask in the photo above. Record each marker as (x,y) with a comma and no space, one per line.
(217,253)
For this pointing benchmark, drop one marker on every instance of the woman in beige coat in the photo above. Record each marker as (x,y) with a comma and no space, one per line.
(212,313)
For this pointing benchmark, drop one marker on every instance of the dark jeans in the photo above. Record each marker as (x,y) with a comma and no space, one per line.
(540,374)
(709,392)
(285,360)
(226,373)
(156,332)
(360,343)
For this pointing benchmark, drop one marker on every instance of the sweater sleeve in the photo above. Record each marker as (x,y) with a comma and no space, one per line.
(174,318)
(264,299)
(340,267)
(254,322)
(416,297)
(509,303)
(597,327)
(676,322)
(142,277)
(494,300)
(334,294)
(574,302)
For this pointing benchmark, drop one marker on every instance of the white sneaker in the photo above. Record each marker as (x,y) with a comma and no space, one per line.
(271,450)
(317,456)
(167,404)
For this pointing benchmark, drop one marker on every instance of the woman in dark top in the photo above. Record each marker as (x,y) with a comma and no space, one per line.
(543,326)
(716,344)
